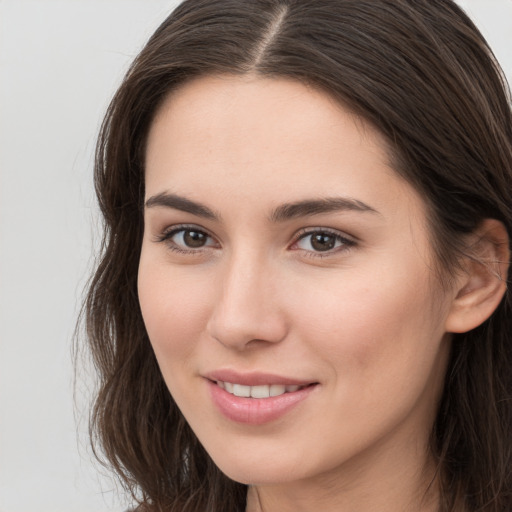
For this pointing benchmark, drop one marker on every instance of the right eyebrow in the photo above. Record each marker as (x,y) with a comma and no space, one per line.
(183,204)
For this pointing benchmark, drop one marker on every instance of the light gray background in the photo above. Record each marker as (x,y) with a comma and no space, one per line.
(60,61)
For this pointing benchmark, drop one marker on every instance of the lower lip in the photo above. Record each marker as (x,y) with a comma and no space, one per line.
(256,411)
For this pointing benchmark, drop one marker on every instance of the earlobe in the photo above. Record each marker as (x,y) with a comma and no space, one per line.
(484,282)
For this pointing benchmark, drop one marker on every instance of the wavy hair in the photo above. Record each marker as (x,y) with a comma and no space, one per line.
(422,74)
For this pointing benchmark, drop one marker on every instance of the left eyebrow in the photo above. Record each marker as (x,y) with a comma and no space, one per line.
(310,207)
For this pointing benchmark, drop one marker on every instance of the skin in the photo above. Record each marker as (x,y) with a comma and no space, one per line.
(366,321)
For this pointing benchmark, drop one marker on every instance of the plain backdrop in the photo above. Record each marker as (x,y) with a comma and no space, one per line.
(60,62)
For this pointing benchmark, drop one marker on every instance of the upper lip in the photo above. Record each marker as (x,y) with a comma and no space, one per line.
(254,378)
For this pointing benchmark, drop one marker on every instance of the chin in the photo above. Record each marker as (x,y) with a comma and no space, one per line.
(255,476)
(262,470)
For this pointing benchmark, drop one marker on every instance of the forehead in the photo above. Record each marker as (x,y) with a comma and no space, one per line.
(277,139)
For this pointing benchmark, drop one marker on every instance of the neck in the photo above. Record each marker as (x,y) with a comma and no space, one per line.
(385,485)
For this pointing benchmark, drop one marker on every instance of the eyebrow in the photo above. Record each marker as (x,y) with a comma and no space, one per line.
(310,207)
(282,213)
(181,203)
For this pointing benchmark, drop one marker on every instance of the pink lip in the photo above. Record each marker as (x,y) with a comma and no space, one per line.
(255,411)
(253,378)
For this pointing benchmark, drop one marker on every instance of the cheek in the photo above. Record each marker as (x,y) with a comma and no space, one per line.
(175,311)
(366,323)
(372,325)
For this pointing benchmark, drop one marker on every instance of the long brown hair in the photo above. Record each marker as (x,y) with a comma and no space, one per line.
(422,74)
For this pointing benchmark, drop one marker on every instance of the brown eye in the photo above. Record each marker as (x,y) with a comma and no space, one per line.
(323,241)
(194,239)
(188,239)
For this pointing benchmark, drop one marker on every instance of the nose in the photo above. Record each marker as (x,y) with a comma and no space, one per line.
(248,312)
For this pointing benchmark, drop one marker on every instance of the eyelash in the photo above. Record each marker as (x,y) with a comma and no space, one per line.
(167,235)
(345,242)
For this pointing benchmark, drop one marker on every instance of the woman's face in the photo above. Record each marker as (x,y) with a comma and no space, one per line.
(287,284)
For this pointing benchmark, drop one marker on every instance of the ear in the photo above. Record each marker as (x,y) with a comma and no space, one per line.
(482,286)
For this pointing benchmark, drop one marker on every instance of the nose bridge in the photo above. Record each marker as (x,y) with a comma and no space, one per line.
(247,307)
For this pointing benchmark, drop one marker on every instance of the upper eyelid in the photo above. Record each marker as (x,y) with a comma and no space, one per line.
(298,233)
(165,236)
(176,228)
(170,231)
(311,230)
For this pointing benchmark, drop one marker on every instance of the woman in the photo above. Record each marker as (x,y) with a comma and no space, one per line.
(302,298)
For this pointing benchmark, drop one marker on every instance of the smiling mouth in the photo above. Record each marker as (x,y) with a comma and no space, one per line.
(263,391)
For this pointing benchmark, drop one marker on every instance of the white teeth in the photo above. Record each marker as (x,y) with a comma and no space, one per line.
(243,391)
(260,391)
(264,391)
(277,389)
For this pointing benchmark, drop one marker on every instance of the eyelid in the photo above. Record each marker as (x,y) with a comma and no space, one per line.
(166,235)
(348,241)
(176,228)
